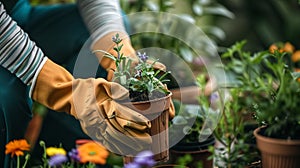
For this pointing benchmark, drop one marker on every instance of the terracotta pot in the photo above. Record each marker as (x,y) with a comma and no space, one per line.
(157,111)
(198,151)
(277,153)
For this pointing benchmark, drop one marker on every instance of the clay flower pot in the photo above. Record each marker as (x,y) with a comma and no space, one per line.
(157,111)
(277,153)
(198,150)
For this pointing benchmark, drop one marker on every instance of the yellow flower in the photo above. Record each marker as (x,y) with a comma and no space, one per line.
(51,151)
(92,152)
(17,147)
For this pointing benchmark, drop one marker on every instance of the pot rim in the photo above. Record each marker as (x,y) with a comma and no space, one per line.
(261,137)
(149,101)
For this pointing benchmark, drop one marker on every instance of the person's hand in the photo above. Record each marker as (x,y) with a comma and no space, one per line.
(95,103)
(106,44)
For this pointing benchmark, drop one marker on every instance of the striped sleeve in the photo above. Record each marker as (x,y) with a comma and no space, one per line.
(101,17)
(18,53)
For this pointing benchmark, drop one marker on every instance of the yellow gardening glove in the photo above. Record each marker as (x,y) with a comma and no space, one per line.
(94,102)
(106,44)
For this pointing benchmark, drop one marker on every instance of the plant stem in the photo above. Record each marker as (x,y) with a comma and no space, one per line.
(26,160)
(18,161)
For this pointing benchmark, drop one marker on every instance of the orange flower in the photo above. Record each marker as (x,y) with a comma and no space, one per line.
(296,56)
(16,147)
(273,48)
(92,152)
(288,47)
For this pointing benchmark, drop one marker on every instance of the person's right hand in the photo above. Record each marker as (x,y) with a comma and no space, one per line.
(95,103)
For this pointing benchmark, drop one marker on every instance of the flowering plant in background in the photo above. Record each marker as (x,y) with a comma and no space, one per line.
(142,79)
(143,159)
(17,148)
(271,85)
(92,152)
(261,87)
(86,155)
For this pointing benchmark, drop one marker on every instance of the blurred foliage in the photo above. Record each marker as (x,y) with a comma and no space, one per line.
(187,29)
(261,23)
(200,13)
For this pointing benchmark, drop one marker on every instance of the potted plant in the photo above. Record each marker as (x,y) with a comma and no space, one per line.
(147,95)
(190,120)
(222,113)
(272,87)
(194,145)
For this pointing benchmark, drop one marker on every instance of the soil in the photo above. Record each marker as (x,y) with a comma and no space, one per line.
(144,96)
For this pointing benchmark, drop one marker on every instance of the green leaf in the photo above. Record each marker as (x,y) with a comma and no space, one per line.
(186,54)
(197,9)
(296,75)
(111,57)
(219,10)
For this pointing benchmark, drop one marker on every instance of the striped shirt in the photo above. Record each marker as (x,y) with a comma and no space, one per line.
(101,17)
(18,53)
(23,58)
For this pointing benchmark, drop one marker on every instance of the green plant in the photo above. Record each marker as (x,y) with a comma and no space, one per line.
(223,113)
(143,81)
(186,115)
(269,80)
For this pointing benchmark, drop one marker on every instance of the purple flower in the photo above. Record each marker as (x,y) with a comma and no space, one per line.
(73,154)
(138,74)
(145,158)
(214,97)
(116,39)
(57,160)
(132,165)
(143,56)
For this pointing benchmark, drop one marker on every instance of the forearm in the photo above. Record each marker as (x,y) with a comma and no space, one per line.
(101,17)
(18,53)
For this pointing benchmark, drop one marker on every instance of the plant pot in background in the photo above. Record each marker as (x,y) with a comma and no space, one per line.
(198,151)
(157,111)
(277,153)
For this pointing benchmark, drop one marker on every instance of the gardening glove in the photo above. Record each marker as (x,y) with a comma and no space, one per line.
(105,44)
(95,103)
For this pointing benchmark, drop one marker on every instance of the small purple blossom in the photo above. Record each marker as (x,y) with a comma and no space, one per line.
(73,154)
(145,158)
(143,56)
(132,165)
(57,160)
(214,97)
(138,74)
(116,39)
